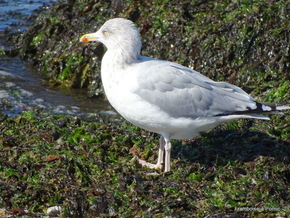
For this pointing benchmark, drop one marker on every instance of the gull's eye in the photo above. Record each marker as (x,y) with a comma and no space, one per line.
(105,32)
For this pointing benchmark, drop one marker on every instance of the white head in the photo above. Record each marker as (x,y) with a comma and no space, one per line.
(118,35)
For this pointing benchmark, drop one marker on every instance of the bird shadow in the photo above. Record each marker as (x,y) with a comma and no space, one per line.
(219,147)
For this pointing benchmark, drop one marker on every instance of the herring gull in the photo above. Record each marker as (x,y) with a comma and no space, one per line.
(165,97)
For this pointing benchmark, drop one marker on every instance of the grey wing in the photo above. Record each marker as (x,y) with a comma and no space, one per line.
(182,92)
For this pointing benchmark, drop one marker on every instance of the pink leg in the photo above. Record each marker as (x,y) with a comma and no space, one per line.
(167,154)
(160,156)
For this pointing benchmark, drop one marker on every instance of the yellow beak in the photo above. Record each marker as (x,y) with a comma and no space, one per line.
(89,37)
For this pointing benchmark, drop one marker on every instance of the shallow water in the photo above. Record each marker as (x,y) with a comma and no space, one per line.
(14,14)
(21,86)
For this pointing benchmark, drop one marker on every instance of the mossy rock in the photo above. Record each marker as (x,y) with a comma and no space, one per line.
(245,43)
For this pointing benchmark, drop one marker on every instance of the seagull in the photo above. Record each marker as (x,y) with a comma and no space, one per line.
(165,97)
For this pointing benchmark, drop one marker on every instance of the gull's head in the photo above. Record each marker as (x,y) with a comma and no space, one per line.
(117,33)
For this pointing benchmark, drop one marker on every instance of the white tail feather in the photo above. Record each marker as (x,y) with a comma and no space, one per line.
(283,108)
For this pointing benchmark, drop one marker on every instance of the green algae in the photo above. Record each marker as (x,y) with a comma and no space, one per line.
(279,94)
(74,61)
(37,40)
(2,52)
(59,160)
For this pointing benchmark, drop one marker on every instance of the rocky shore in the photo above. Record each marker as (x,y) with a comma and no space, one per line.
(244,43)
(55,165)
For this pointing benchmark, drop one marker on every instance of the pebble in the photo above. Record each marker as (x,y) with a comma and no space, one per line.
(4,94)
(54,211)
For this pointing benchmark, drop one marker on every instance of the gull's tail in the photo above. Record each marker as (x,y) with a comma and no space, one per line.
(275,109)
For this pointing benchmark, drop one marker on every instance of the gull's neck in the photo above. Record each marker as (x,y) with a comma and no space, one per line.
(114,67)
(120,57)
(124,51)
(116,60)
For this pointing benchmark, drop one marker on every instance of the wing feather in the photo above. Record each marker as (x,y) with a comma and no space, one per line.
(183,92)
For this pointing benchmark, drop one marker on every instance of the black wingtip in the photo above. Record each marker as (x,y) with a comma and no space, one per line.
(261,108)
